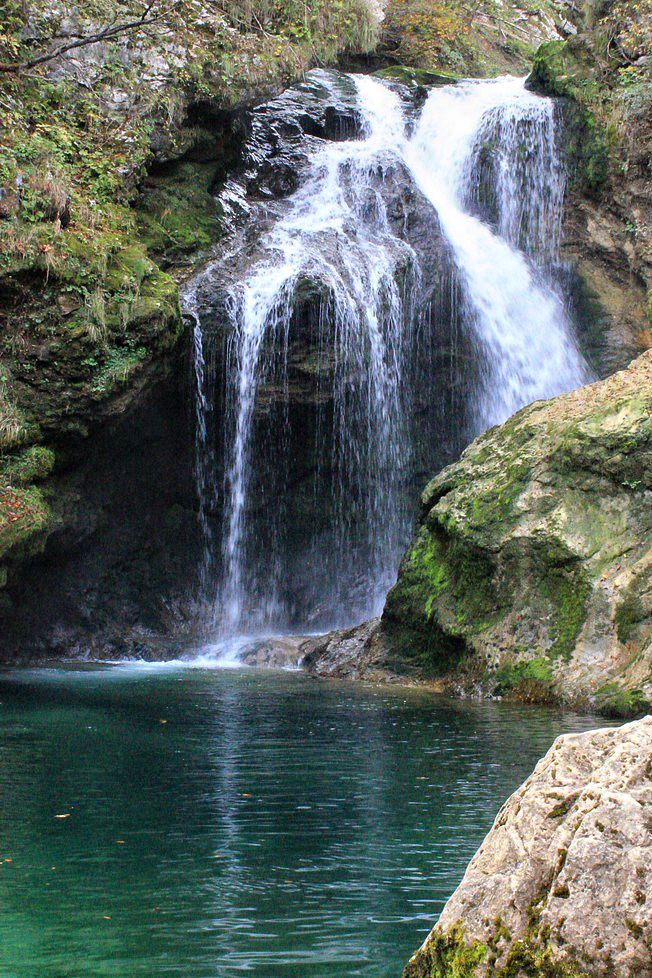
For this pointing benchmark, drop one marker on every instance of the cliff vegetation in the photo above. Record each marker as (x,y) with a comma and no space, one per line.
(95,101)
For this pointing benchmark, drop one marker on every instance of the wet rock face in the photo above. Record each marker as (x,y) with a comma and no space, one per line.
(561,885)
(533,551)
(285,135)
(306,368)
(608,141)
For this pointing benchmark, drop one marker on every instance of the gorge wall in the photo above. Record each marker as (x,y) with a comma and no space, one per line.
(111,152)
(101,548)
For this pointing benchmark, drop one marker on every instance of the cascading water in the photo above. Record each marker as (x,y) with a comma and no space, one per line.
(335,236)
(338,264)
(516,314)
(204,456)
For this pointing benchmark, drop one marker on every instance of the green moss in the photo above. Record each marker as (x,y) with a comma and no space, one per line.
(526,680)
(550,69)
(526,959)
(495,503)
(635,929)
(439,565)
(447,956)
(604,64)
(593,140)
(473,587)
(450,955)
(32,465)
(417,76)
(563,807)
(568,595)
(614,700)
(120,365)
(629,612)
(24,515)
(177,214)
(422,578)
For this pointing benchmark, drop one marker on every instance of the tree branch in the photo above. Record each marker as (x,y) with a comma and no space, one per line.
(102,35)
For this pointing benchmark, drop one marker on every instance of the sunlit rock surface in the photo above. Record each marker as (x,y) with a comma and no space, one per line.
(561,885)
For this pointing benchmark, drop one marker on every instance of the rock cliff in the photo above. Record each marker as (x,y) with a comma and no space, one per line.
(112,152)
(560,888)
(530,568)
(602,71)
(118,121)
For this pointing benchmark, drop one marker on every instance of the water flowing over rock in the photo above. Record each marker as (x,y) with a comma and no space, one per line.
(561,885)
(372,311)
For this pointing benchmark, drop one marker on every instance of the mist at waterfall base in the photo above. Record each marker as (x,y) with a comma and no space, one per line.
(355,342)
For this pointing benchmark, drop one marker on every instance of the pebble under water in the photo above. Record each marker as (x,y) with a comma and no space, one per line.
(159,822)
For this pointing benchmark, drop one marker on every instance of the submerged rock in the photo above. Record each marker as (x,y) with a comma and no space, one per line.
(531,563)
(560,887)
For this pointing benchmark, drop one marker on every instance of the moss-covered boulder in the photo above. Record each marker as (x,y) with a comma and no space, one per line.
(559,888)
(417,76)
(534,551)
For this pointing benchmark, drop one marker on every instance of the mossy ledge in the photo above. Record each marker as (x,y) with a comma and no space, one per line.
(452,955)
(534,553)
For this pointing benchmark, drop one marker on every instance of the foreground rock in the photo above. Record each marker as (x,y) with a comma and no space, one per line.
(531,567)
(560,887)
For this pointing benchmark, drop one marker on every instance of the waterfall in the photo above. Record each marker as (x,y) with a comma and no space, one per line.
(335,236)
(511,304)
(204,463)
(335,264)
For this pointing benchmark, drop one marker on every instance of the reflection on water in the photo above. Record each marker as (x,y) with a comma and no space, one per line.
(230,822)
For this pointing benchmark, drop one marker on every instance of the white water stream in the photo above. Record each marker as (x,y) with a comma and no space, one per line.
(518,317)
(336,235)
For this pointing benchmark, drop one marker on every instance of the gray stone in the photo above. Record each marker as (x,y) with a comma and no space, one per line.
(564,878)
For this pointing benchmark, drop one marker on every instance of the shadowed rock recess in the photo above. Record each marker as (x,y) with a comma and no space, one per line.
(560,887)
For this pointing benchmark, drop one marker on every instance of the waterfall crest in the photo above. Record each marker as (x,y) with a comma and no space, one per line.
(340,265)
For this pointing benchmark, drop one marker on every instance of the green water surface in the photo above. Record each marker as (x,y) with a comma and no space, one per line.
(223,823)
